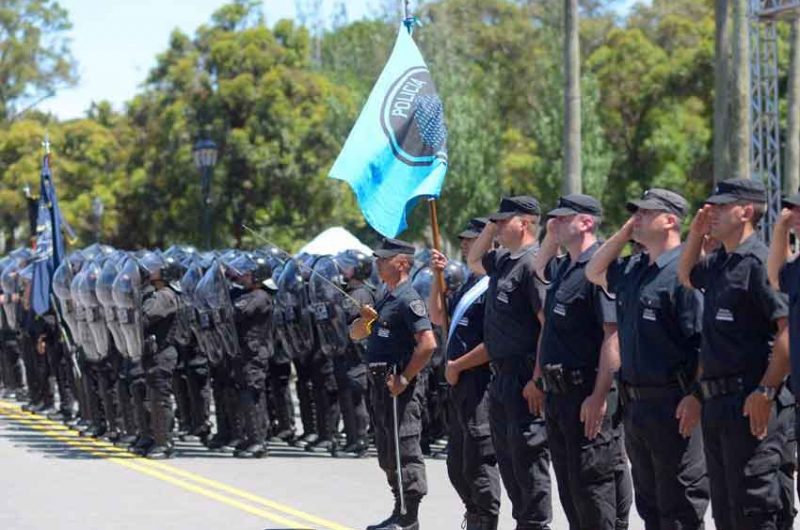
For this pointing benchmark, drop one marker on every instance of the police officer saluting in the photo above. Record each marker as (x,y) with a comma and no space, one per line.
(471,459)
(578,356)
(399,346)
(744,359)
(784,274)
(659,330)
(511,333)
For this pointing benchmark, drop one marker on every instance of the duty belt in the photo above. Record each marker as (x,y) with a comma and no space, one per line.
(510,365)
(559,380)
(639,393)
(380,370)
(722,386)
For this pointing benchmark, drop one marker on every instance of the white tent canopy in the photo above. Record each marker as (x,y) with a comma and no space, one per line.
(334,240)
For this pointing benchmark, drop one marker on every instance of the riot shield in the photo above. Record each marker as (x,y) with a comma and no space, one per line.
(105,295)
(423,281)
(327,306)
(84,334)
(297,333)
(126,292)
(95,316)
(12,308)
(62,279)
(191,309)
(213,292)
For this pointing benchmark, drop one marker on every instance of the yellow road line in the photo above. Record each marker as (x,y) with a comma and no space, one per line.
(109,451)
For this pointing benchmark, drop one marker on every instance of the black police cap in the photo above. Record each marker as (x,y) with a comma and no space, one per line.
(511,206)
(738,190)
(576,203)
(791,201)
(392,247)
(474,228)
(660,200)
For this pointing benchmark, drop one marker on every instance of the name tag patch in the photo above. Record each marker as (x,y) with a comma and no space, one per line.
(649,314)
(383,333)
(463,322)
(502,296)
(724,315)
(560,310)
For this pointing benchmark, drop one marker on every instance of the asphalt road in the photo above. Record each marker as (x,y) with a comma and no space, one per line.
(52,479)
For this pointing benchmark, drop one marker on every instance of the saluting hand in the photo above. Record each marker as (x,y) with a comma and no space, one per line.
(593,410)
(688,415)
(701,224)
(758,407)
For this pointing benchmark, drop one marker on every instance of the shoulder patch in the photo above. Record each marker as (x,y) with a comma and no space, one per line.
(418,308)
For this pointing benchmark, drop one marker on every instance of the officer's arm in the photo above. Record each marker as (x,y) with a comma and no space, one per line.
(779,250)
(779,365)
(481,246)
(436,311)
(426,343)
(608,253)
(158,307)
(477,356)
(547,251)
(692,249)
(609,360)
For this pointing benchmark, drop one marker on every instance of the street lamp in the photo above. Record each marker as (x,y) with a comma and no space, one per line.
(205,157)
(97,217)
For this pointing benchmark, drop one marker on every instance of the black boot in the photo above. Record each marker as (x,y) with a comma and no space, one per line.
(389,520)
(486,522)
(252,451)
(408,520)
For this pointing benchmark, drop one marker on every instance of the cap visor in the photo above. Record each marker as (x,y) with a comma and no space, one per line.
(385,253)
(468,234)
(722,198)
(502,216)
(643,204)
(561,212)
(791,201)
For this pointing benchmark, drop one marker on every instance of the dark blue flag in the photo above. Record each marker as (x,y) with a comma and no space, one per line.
(49,249)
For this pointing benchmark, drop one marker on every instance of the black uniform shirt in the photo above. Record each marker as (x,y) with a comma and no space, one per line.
(253,316)
(513,300)
(468,332)
(401,314)
(361,295)
(740,309)
(660,320)
(575,310)
(790,284)
(159,309)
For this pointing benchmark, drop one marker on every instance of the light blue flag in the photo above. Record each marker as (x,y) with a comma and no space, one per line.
(397,150)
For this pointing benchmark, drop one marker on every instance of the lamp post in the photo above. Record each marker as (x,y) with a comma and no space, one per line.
(205,157)
(97,217)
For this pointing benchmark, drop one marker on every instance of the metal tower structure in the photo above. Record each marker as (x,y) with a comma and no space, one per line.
(764,100)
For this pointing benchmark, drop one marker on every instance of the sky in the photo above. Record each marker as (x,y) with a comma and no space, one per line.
(115,42)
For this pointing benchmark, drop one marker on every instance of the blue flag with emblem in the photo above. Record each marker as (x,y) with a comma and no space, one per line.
(397,150)
(49,249)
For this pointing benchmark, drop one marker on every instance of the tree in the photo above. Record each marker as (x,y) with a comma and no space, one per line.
(35,58)
(572,99)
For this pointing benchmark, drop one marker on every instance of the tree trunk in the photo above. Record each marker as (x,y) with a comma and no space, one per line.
(791,168)
(740,103)
(722,81)
(572,99)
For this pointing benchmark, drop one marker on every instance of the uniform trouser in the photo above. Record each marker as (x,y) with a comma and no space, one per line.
(13,378)
(61,369)
(520,442)
(29,364)
(92,377)
(471,459)
(199,390)
(325,403)
(305,393)
(138,390)
(109,389)
(351,383)
(125,398)
(409,414)
(669,471)
(435,426)
(159,368)
(226,409)
(41,373)
(180,388)
(745,474)
(250,372)
(280,372)
(587,471)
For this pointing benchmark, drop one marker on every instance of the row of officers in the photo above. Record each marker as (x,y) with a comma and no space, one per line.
(642,368)
(660,375)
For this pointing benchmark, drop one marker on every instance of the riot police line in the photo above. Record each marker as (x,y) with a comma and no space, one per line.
(142,347)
